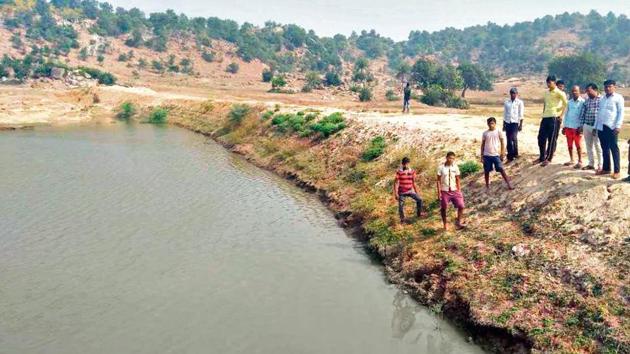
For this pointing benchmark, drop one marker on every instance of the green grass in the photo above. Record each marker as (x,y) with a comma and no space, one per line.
(375,149)
(158,116)
(469,168)
(127,110)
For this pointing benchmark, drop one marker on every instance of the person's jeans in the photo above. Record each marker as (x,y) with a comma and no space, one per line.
(608,139)
(548,137)
(401,204)
(593,149)
(511,132)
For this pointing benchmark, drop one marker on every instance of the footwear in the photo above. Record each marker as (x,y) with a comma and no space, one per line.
(627,179)
(615,176)
(578,166)
(589,167)
(537,161)
(568,163)
(545,163)
(602,173)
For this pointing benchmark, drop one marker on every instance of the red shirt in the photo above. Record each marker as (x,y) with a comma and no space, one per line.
(405,180)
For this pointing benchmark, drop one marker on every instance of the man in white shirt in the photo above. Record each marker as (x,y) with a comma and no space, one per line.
(513,113)
(449,190)
(608,124)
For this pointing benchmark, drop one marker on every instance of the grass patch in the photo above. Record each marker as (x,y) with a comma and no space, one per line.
(158,116)
(375,150)
(238,113)
(469,168)
(126,111)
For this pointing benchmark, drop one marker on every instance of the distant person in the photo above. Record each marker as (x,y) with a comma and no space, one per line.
(587,120)
(405,187)
(572,126)
(513,114)
(493,152)
(562,87)
(449,190)
(608,125)
(555,104)
(406,98)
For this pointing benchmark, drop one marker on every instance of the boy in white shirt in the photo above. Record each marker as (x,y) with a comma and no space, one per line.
(493,152)
(449,190)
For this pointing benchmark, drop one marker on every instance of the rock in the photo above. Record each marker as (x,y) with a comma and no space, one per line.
(594,237)
(520,250)
(57,73)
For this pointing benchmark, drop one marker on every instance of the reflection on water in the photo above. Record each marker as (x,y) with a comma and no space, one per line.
(141,239)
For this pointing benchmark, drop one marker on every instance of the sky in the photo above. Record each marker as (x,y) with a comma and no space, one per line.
(394,19)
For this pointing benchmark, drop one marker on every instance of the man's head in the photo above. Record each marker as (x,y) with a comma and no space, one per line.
(513,93)
(610,86)
(561,85)
(492,123)
(551,82)
(450,158)
(405,162)
(592,90)
(407,85)
(575,92)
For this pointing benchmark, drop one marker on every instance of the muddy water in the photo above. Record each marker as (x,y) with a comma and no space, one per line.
(141,239)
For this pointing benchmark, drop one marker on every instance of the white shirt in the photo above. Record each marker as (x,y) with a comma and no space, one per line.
(447,177)
(610,112)
(513,111)
(492,146)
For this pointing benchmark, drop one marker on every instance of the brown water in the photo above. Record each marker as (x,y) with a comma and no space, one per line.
(142,239)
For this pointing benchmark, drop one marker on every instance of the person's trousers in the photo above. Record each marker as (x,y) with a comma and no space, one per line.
(511,133)
(401,204)
(608,139)
(593,149)
(548,137)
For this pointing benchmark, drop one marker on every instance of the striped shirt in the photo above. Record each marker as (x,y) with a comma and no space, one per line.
(589,111)
(405,180)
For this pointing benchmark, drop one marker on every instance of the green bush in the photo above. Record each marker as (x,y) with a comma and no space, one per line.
(329,125)
(332,79)
(207,56)
(278,82)
(365,94)
(313,81)
(157,66)
(390,95)
(267,75)
(238,113)
(267,115)
(454,101)
(127,110)
(123,57)
(158,116)
(233,68)
(468,168)
(433,96)
(376,149)
(103,78)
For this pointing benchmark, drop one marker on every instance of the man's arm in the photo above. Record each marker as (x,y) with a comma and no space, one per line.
(619,118)
(459,185)
(565,104)
(396,184)
(439,187)
(502,139)
(521,115)
(483,144)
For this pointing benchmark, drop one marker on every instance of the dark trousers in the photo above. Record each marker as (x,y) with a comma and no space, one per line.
(406,104)
(548,137)
(401,204)
(511,132)
(608,139)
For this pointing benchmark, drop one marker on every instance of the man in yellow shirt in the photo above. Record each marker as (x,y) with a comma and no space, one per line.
(555,106)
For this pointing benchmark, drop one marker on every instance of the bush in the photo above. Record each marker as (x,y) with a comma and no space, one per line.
(468,168)
(233,68)
(100,58)
(103,78)
(158,116)
(207,56)
(157,66)
(390,95)
(278,82)
(376,149)
(365,94)
(127,110)
(267,75)
(454,101)
(332,79)
(433,96)
(238,113)
(329,125)
(267,115)
(313,81)
(123,57)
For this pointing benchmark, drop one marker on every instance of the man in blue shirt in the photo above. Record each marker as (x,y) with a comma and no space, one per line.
(572,124)
(608,125)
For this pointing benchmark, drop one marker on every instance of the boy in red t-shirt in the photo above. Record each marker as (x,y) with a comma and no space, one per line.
(405,187)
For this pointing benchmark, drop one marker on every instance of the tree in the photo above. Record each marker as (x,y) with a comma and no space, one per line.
(313,81)
(424,72)
(449,78)
(475,78)
(403,71)
(332,79)
(580,69)
(278,82)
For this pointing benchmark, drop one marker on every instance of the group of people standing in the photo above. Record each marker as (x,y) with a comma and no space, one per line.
(598,118)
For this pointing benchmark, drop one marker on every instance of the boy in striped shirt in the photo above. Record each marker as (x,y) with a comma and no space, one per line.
(405,187)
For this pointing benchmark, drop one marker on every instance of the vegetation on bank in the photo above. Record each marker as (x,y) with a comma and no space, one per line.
(472,274)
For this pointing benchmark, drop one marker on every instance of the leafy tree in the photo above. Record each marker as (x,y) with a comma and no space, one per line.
(278,82)
(474,77)
(313,81)
(403,71)
(580,69)
(135,40)
(365,94)
(424,72)
(294,36)
(449,78)
(332,79)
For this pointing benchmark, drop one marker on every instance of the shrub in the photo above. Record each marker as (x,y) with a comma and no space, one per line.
(267,75)
(365,94)
(433,96)
(390,95)
(207,56)
(267,115)
(233,68)
(142,64)
(83,54)
(278,82)
(127,110)
(313,81)
(238,113)
(103,78)
(123,57)
(16,41)
(454,101)
(376,149)
(157,66)
(100,58)
(468,168)
(355,88)
(329,125)
(332,79)
(158,116)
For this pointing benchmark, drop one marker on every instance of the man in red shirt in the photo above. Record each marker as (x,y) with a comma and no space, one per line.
(405,187)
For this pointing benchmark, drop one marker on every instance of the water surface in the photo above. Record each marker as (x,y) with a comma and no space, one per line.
(142,239)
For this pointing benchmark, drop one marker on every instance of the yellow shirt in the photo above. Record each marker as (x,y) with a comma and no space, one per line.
(555,103)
